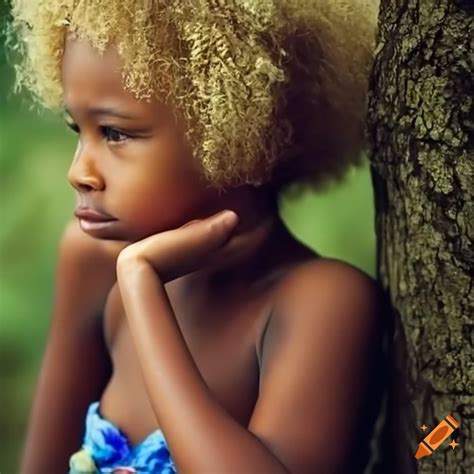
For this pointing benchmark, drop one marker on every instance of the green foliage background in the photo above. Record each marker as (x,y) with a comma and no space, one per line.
(36,202)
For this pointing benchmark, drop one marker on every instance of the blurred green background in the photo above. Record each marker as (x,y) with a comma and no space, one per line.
(36,201)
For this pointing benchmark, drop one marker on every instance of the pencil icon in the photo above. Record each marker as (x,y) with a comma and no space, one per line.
(436,437)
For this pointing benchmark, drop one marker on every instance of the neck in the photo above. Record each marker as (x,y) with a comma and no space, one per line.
(256,241)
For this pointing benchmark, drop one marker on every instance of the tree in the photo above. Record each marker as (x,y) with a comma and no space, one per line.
(420,125)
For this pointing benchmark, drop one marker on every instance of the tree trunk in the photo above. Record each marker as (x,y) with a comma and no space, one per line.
(420,124)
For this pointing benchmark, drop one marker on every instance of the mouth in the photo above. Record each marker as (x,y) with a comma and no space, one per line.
(92,214)
(90,219)
(87,225)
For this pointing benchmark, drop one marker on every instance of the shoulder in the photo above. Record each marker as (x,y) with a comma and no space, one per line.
(322,291)
(328,282)
(334,272)
(315,363)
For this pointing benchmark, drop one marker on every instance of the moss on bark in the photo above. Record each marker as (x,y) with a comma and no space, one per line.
(421,132)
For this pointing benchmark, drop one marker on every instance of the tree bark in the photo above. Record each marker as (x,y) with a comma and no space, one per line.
(420,126)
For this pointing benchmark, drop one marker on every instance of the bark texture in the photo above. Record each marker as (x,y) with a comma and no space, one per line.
(420,124)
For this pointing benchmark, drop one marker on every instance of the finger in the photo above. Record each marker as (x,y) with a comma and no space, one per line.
(180,251)
(219,215)
(204,235)
(194,221)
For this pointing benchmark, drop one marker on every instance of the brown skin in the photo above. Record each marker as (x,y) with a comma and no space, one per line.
(190,295)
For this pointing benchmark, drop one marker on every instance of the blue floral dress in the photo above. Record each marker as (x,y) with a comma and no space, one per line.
(106,449)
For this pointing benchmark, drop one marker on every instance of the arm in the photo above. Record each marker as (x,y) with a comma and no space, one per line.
(303,383)
(316,360)
(75,365)
(178,394)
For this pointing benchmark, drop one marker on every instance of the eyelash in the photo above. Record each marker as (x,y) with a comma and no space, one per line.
(105,131)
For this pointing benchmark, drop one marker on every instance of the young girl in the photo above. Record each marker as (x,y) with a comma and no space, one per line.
(191,330)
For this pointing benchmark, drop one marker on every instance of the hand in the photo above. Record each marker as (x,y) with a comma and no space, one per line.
(175,253)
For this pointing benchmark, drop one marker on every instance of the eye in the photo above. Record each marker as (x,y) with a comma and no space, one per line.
(114,135)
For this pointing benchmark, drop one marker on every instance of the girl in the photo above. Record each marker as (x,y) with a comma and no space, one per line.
(191,329)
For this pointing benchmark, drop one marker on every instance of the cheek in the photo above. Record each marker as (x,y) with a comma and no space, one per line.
(164,189)
(162,197)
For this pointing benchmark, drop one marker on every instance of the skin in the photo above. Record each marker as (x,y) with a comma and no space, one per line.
(149,182)
(189,294)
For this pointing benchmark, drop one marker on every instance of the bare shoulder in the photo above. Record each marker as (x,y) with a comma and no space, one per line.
(329,275)
(323,290)
(326,295)
(328,281)
(315,364)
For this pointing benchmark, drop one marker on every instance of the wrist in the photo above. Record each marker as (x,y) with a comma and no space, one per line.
(128,262)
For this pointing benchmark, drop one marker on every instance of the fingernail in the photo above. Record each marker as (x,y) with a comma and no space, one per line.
(228,217)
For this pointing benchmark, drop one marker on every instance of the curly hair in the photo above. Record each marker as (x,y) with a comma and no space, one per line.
(272,91)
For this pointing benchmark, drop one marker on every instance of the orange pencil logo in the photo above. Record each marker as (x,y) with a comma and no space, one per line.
(436,437)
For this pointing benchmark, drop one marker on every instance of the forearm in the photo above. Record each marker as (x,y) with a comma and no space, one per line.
(179,396)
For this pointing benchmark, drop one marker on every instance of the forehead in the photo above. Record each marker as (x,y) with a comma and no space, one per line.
(92,79)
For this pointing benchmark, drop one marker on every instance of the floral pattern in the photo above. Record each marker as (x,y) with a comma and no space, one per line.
(106,449)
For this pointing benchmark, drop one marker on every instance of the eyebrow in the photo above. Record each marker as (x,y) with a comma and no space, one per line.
(104,111)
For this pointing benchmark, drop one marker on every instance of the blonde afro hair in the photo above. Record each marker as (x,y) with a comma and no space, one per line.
(273,91)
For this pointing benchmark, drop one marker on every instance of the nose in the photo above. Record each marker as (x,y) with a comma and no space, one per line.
(83,173)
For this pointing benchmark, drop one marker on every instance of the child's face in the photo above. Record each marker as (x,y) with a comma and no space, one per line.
(131,160)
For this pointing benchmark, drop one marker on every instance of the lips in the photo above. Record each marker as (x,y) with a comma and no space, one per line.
(93,215)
